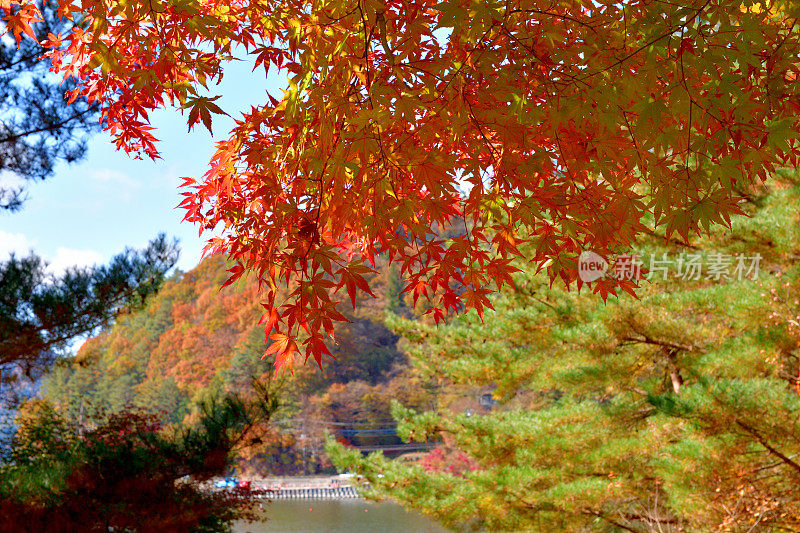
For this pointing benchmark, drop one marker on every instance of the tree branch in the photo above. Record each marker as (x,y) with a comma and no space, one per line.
(644,339)
(752,431)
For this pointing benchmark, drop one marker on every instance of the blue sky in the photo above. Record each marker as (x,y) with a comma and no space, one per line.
(90,211)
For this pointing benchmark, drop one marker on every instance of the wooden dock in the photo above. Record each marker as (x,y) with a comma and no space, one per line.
(336,493)
(296,488)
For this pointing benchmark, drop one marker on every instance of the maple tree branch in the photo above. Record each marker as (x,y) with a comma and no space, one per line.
(592,28)
(633,138)
(464,63)
(693,101)
(410,64)
(367,40)
(377,135)
(316,235)
(672,240)
(334,20)
(532,52)
(688,122)
(381,20)
(153,10)
(487,142)
(649,43)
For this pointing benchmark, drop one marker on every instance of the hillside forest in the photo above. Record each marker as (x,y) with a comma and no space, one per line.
(675,410)
(193,342)
(515,265)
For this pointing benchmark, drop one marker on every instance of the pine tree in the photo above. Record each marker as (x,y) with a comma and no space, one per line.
(39,128)
(40,313)
(677,411)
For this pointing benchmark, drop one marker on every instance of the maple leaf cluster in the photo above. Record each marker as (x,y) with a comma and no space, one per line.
(446,134)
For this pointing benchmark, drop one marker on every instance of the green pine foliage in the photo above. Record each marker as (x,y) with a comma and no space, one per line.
(39,128)
(40,314)
(676,411)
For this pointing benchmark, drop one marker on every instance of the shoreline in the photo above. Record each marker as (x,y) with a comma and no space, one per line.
(338,487)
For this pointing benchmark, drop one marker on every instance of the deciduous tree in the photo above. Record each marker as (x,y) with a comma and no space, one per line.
(127,472)
(570,124)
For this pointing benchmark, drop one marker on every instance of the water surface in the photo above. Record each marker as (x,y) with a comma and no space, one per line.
(338,516)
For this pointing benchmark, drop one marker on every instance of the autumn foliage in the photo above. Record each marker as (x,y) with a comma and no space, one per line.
(570,125)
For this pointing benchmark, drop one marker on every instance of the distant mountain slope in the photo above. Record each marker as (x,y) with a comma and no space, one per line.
(161,356)
(194,339)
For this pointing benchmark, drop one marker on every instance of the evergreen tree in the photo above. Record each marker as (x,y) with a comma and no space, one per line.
(677,411)
(38,128)
(40,314)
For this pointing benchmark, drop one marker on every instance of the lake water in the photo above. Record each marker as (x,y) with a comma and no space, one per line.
(335,516)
